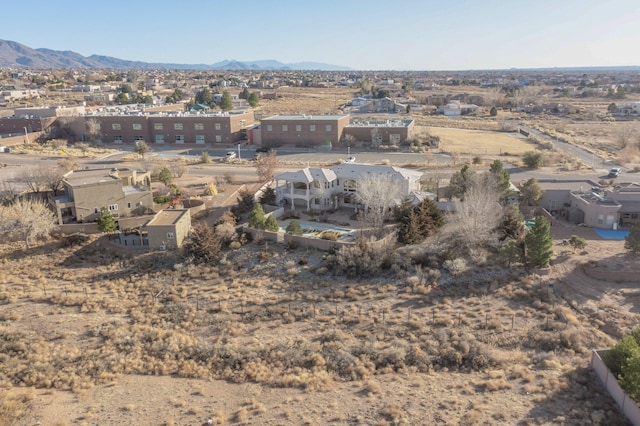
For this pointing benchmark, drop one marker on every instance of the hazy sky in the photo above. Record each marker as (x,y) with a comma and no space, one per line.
(361,34)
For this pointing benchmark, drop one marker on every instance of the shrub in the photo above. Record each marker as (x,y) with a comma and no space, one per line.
(161,199)
(294,228)
(329,235)
(256,218)
(532,159)
(211,189)
(204,157)
(271,224)
(204,244)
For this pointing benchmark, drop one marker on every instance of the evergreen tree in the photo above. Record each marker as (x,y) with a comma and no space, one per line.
(271,224)
(204,96)
(106,222)
(294,228)
(415,224)
(511,252)
(538,243)
(632,240)
(165,176)
(253,99)
(531,192)
(256,217)
(461,181)
(493,112)
(500,175)
(268,196)
(244,94)
(226,104)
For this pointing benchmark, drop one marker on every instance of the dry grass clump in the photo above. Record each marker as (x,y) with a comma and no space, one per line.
(14,405)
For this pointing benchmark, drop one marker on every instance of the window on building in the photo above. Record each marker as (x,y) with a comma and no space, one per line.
(138,138)
(157,126)
(159,138)
(128,205)
(609,219)
(312,127)
(600,219)
(137,126)
(285,128)
(243,123)
(298,127)
(170,236)
(349,185)
(218,127)
(327,127)
(199,138)
(553,204)
(198,126)
(116,126)
(376,138)
(269,127)
(177,126)
(96,210)
(117,139)
(179,138)
(394,138)
(113,207)
(218,138)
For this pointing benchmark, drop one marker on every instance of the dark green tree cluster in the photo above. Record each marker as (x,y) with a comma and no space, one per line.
(624,362)
(244,203)
(175,97)
(416,223)
(204,97)
(294,228)
(461,181)
(252,98)
(512,231)
(379,93)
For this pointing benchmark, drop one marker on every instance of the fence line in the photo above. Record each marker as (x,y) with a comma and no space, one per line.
(628,405)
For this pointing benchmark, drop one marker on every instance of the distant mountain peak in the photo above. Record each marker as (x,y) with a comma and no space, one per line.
(15,54)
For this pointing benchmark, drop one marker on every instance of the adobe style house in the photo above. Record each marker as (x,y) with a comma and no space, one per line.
(302,130)
(168,229)
(124,192)
(585,202)
(324,189)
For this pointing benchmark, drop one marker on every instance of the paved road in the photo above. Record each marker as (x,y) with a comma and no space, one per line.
(589,158)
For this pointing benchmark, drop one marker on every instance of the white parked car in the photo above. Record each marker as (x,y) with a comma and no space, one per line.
(231,155)
(350,160)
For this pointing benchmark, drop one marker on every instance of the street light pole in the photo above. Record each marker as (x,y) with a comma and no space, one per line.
(26,136)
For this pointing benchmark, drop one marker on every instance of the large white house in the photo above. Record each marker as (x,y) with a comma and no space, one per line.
(322,189)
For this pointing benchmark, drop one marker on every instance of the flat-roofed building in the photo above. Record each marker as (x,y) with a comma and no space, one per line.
(168,229)
(380,132)
(123,192)
(171,127)
(303,130)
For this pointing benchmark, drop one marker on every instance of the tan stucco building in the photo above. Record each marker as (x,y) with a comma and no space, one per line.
(124,192)
(168,229)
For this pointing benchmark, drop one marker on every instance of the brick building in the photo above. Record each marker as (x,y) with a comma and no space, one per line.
(302,130)
(380,132)
(169,128)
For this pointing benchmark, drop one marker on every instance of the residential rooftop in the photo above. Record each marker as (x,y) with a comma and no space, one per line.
(380,123)
(167,217)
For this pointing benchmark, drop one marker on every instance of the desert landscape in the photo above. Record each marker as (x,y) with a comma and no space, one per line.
(270,334)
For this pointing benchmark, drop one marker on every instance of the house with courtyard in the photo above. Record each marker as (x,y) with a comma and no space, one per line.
(315,188)
(585,202)
(125,192)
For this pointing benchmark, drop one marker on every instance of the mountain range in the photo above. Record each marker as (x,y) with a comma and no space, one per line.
(14,54)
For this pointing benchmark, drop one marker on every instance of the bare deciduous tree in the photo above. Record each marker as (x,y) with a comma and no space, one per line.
(478,215)
(378,192)
(27,219)
(52,178)
(93,129)
(32,177)
(178,167)
(265,165)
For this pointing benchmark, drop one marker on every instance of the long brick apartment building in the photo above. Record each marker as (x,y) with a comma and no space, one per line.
(171,128)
